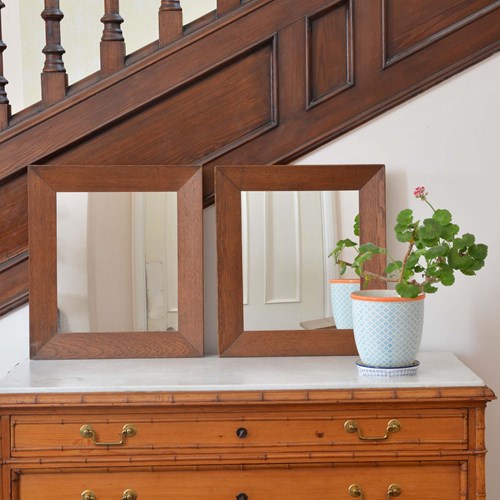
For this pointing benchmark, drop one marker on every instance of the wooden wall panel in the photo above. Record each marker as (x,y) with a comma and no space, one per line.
(14,218)
(329,52)
(241,93)
(13,238)
(410,25)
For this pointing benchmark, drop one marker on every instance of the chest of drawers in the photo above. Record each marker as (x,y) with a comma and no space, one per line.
(356,439)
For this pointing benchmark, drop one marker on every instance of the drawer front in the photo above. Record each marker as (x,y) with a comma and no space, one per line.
(415,482)
(50,435)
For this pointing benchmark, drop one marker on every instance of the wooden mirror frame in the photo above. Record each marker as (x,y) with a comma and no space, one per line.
(230,181)
(44,181)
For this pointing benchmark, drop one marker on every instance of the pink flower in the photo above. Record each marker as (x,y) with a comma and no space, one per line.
(420,192)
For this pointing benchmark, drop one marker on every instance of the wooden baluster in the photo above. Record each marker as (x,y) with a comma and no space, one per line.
(4,101)
(112,41)
(54,77)
(224,6)
(170,21)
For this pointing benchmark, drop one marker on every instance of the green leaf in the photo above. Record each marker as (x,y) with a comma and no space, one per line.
(362,258)
(468,272)
(437,251)
(431,228)
(393,266)
(404,237)
(443,217)
(405,217)
(449,232)
(478,264)
(447,278)
(407,290)
(479,251)
(459,244)
(429,288)
(356,225)
(370,247)
(412,260)
(343,268)
(459,261)
(469,239)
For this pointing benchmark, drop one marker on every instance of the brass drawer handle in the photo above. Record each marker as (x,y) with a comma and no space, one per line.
(355,491)
(129,495)
(392,426)
(87,431)
(394,490)
(88,495)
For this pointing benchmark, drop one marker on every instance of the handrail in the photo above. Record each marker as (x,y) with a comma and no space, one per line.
(54,78)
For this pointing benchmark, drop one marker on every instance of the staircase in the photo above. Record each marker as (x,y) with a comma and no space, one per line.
(254,82)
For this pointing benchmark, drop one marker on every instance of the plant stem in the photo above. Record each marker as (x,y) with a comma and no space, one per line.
(405,260)
(372,275)
(433,209)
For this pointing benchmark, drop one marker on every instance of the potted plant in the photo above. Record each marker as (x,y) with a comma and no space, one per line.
(340,292)
(388,323)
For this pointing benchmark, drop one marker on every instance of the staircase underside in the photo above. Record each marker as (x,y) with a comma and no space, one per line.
(265,84)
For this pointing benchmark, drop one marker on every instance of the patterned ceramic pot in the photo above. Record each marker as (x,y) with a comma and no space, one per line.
(387,327)
(340,291)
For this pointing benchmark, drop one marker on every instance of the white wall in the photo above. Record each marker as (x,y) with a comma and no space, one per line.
(447,140)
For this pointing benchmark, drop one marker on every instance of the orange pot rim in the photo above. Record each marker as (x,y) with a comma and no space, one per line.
(356,296)
(345,280)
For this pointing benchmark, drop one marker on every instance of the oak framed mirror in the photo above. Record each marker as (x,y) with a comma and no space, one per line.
(117,210)
(241,335)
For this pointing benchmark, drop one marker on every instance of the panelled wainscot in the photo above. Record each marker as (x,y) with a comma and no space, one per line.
(244,429)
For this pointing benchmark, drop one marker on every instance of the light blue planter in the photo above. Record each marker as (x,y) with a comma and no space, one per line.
(341,290)
(387,327)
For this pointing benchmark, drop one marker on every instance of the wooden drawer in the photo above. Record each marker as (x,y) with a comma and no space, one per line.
(436,481)
(50,435)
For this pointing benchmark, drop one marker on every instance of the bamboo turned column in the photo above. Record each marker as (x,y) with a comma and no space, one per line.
(54,77)
(112,41)
(170,21)
(4,101)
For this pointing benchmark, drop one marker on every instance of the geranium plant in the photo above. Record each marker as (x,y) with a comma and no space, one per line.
(433,255)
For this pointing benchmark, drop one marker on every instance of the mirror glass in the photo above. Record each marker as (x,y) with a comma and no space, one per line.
(117,261)
(286,239)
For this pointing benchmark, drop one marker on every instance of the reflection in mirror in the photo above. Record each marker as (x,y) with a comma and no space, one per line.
(117,261)
(235,337)
(286,239)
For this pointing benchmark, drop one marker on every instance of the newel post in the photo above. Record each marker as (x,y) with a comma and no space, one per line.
(112,41)
(170,21)
(54,77)
(4,101)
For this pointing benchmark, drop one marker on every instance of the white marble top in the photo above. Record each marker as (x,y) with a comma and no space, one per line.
(212,373)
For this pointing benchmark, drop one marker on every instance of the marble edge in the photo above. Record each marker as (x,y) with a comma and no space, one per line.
(22,379)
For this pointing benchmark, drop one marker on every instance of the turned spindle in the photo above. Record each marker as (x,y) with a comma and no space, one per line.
(170,21)
(4,101)
(54,77)
(112,41)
